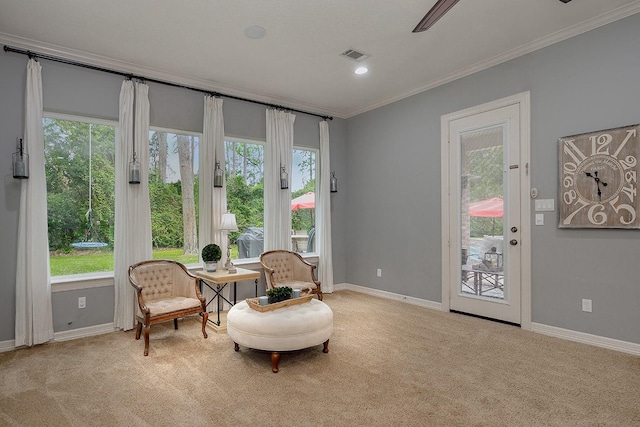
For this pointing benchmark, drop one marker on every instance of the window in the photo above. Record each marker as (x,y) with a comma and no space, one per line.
(244,166)
(173,194)
(80,173)
(303,200)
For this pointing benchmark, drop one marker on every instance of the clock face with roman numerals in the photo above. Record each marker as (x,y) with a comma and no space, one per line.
(599,179)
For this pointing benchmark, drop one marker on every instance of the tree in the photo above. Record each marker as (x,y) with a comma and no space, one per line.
(185,156)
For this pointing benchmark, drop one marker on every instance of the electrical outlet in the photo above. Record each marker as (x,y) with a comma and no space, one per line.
(82,302)
(379,272)
(586,305)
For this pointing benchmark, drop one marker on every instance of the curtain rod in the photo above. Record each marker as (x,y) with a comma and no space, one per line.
(31,54)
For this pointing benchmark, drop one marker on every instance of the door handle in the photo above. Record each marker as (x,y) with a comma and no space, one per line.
(513,242)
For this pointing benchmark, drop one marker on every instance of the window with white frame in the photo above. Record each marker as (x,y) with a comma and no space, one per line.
(173,194)
(80,173)
(303,200)
(244,167)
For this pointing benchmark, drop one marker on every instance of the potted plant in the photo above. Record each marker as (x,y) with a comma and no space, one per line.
(279,294)
(211,254)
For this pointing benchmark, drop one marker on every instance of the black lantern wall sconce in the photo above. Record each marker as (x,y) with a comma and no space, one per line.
(218,176)
(333,183)
(20,162)
(284,179)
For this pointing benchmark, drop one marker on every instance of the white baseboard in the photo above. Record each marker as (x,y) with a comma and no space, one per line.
(389,295)
(598,341)
(73,334)
(567,334)
(7,345)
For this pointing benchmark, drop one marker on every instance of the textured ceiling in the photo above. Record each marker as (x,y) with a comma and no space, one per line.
(298,62)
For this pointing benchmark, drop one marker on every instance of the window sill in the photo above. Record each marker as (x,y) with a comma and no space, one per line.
(81,281)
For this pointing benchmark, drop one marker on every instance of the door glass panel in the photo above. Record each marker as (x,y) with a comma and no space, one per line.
(482,222)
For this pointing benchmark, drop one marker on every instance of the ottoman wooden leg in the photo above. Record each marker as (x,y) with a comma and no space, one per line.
(236,347)
(326,347)
(275,360)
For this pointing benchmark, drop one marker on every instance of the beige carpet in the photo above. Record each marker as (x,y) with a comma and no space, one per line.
(390,363)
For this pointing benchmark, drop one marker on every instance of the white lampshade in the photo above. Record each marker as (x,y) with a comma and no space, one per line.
(228,222)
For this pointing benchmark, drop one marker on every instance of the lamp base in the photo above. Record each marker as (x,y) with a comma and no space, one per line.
(231,269)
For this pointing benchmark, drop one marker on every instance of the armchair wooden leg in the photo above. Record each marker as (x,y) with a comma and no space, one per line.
(205,317)
(138,330)
(325,348)
(320,297)
(145,333)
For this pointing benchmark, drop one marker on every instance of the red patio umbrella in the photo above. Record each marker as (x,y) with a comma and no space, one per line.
(306,201)
(490,208)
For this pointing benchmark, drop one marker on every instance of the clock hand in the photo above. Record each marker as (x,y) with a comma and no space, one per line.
(598,182)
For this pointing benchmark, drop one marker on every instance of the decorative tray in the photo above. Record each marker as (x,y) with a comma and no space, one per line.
(255,303)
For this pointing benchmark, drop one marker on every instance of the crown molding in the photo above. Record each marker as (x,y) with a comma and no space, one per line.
(154,73)
(567,33)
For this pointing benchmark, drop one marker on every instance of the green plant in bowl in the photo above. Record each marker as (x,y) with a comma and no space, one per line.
(279,294)
(211,254)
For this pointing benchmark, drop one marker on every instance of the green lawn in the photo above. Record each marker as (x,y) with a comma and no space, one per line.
(90,261)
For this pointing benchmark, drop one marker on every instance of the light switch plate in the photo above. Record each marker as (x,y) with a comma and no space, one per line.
(545,205)
(539,219)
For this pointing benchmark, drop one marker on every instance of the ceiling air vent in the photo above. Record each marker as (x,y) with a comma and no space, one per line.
(354,54)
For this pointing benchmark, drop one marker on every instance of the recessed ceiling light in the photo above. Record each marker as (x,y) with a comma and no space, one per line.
(361,70)
(255,32)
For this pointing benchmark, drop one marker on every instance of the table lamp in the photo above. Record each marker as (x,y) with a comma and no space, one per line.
(228,224)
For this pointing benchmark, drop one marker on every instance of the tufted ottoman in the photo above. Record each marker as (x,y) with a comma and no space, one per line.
(289,328)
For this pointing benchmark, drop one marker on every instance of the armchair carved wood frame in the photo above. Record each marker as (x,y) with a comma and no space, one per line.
(286,268)
(165,290)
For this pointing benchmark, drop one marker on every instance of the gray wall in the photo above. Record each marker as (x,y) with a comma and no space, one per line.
(72,90)
(387,212)
(586,83)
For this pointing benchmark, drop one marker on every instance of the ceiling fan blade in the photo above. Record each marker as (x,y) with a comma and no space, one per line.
(437,11)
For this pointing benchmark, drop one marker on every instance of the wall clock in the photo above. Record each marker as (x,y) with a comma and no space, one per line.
(599,179)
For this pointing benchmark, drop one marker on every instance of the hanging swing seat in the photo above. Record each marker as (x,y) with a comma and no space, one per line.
(89,245)
(90,236)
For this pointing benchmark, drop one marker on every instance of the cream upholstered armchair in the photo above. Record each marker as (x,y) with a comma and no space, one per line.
(286,268)
(165,290)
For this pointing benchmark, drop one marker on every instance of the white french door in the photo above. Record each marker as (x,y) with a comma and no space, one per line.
(486,219)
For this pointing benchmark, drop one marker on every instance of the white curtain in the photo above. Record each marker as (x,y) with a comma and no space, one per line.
(277,202)
(325,267)
(212,201)
(34,319)
(133,212)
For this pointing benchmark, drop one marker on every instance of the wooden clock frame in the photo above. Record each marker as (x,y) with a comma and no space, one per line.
(598,179)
